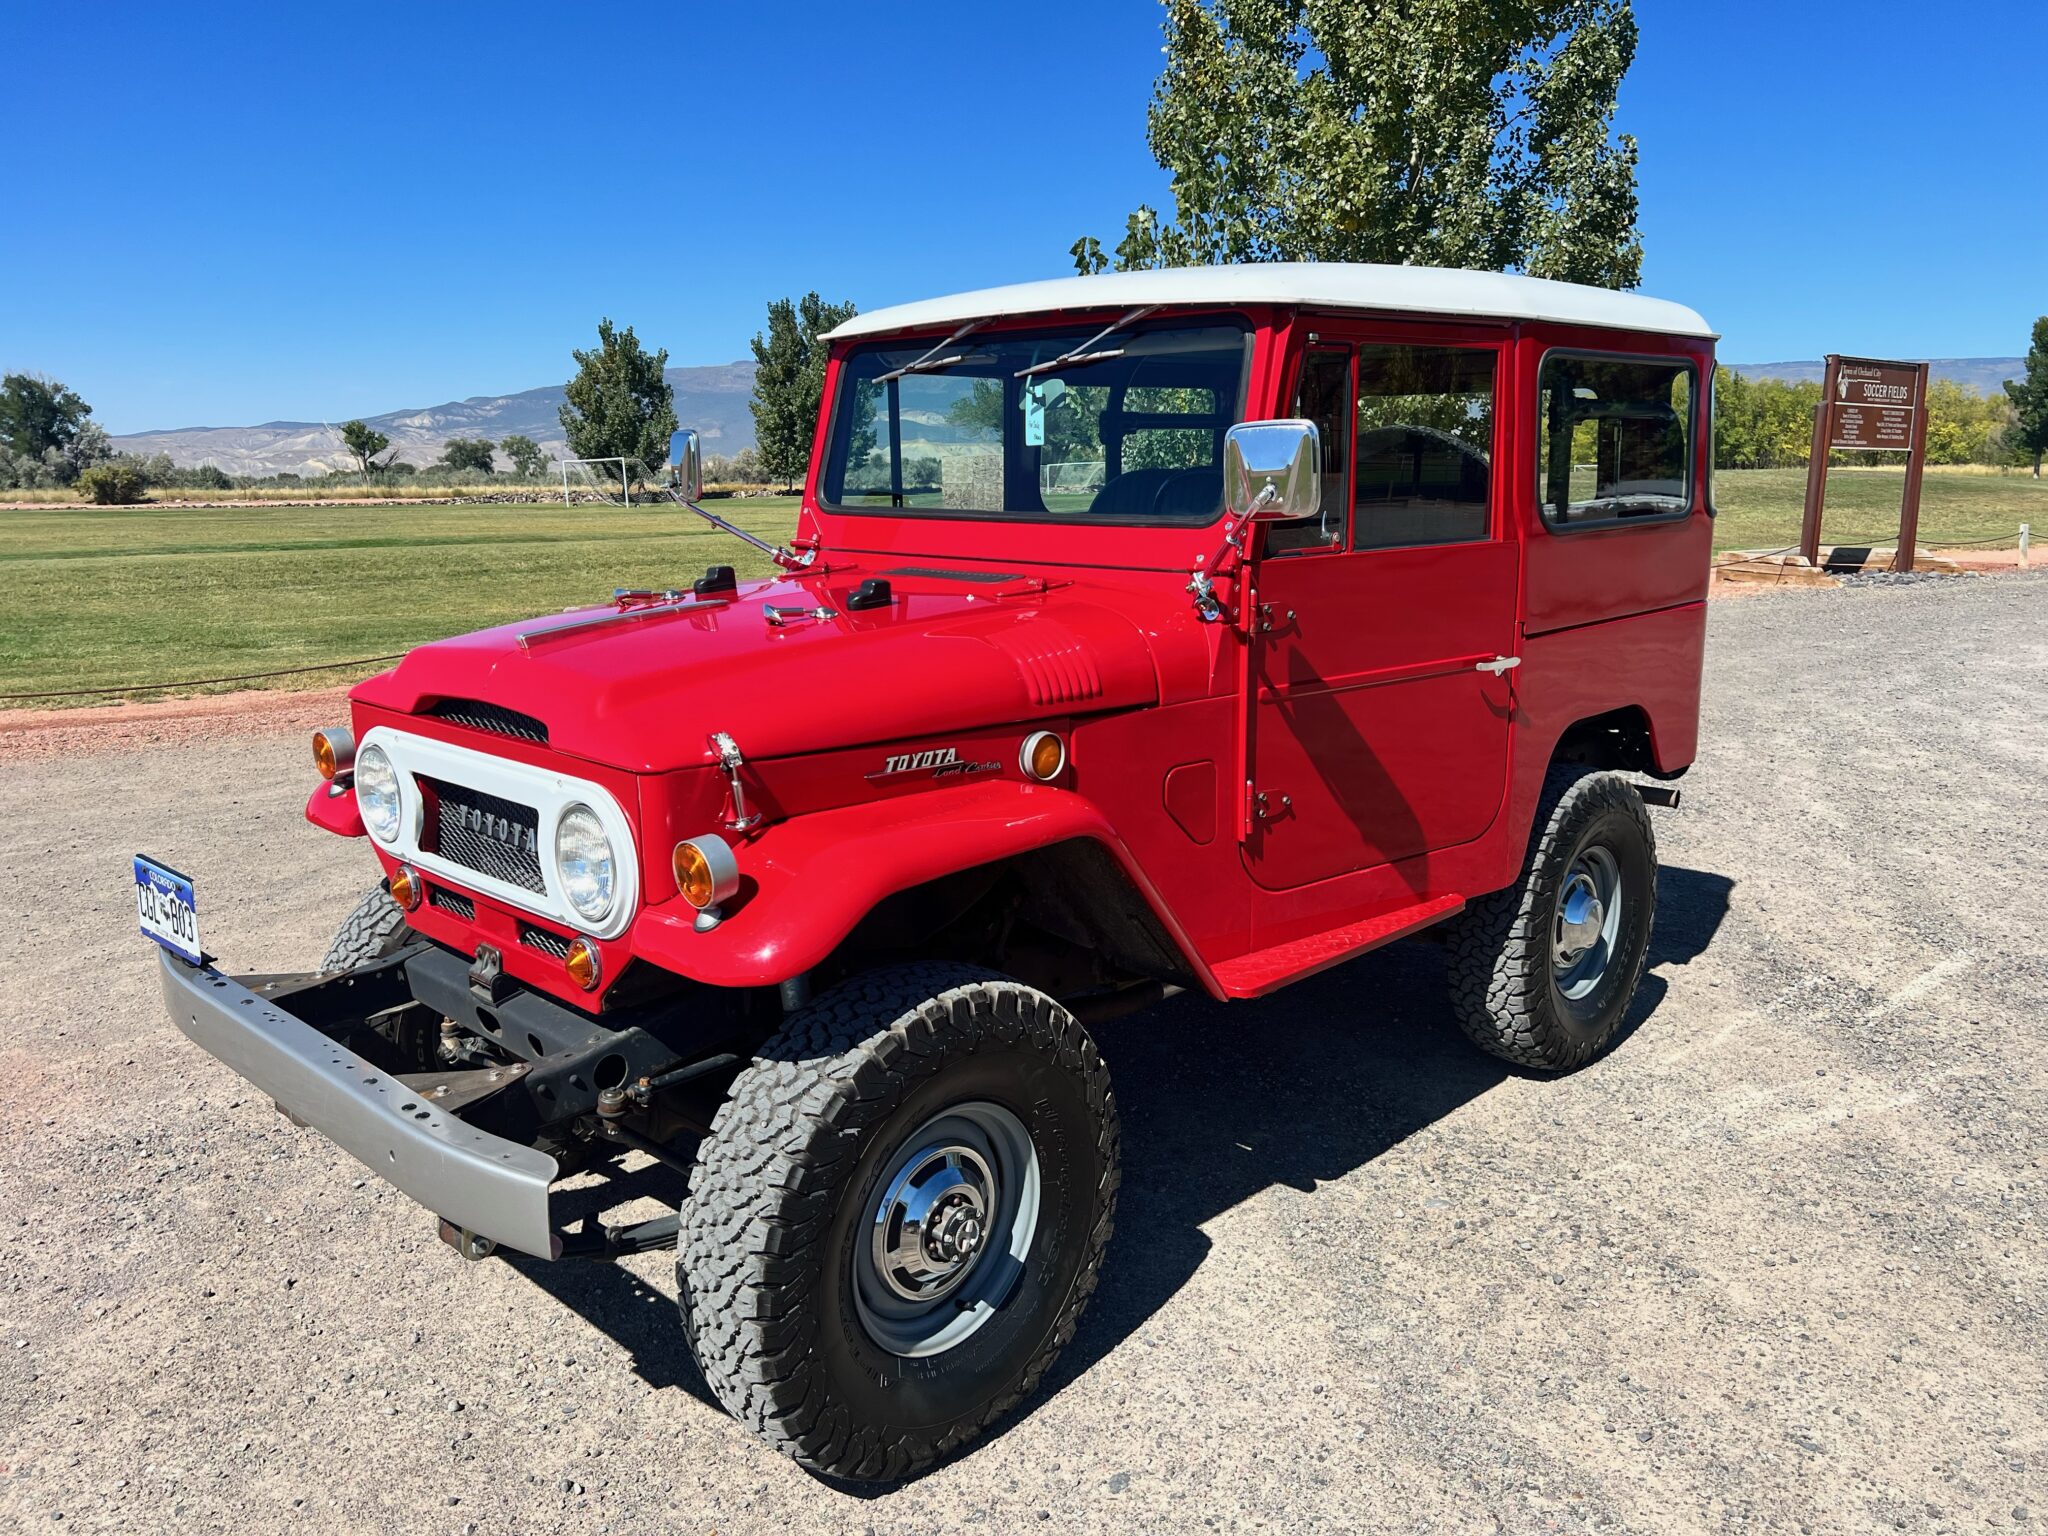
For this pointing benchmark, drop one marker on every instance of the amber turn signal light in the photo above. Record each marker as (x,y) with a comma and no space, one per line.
(582,964)
(406,887)
(707,873)
(334,752)
(1043,756)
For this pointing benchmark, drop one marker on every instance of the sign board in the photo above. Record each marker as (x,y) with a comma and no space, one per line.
(1868,406)
(1873,406)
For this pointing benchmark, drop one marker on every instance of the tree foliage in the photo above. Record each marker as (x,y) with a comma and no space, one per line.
(2029,397)
(528,458)
(789,381)
(1454,133)
(117,484)
(38,414)
(364,443)
(468,454)
(620,405)
(1768,423)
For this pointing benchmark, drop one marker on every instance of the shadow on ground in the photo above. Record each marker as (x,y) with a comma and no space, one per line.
(1219,1101)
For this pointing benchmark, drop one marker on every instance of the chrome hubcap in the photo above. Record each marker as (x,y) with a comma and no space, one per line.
(931,1222)
(1588,923)
(949,1232)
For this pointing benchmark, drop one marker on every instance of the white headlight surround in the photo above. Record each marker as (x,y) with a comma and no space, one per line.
(585,863)
(377,793)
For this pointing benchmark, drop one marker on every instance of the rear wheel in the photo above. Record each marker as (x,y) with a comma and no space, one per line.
(898,1217)
(376,928)
(1542,973)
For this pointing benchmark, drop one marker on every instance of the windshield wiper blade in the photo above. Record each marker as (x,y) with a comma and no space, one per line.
(1080,356)
(931,362)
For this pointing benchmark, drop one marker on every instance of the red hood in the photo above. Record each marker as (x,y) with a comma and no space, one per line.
(945,654)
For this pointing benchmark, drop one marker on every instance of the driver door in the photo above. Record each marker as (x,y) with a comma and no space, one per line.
(1379,728)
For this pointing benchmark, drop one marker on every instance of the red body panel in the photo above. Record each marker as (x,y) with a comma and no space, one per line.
(1400,780)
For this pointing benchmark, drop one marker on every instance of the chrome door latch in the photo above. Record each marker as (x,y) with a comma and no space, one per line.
(1499,665)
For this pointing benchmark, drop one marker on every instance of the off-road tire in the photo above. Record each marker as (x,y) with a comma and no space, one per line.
(785,1182)
(1503,987)
(375,929)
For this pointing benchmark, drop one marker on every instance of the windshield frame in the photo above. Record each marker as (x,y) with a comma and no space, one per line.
(1001,328)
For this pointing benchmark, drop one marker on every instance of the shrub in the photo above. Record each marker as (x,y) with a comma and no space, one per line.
(118,484)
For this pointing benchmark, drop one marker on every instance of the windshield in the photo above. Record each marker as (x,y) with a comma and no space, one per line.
(1130,430)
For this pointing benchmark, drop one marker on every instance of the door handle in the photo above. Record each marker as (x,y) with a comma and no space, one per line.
(1499,665)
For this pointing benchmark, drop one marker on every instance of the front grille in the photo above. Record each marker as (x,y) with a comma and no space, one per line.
(452,901)
(496,719)
(540,939)
(486,833)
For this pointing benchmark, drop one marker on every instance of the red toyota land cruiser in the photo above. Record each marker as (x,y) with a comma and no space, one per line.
(1174,630)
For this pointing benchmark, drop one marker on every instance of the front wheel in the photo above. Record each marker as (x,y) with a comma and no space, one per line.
(898,1217)
(1543,972)
(376,928)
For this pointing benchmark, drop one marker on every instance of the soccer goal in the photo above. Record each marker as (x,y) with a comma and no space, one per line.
(613,481)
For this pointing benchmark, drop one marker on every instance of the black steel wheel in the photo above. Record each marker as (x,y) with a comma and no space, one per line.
(1542,973)
(898,1217)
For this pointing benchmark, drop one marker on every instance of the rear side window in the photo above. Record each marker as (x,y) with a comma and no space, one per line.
(1614,439)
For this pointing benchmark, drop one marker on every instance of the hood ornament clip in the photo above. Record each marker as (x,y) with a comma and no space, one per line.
(730,759)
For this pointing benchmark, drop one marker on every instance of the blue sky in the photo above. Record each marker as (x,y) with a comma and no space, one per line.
(229,213)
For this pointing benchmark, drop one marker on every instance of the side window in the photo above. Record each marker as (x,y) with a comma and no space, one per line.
(1425,446)
(1613,439)
(1325,399)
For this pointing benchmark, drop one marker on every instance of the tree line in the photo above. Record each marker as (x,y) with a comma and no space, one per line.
(1768,423)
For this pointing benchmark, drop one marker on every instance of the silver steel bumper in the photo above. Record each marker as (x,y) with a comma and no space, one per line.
(494,1187)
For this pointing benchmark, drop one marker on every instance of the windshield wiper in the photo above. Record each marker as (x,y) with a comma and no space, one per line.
(931,362)
(1080,357)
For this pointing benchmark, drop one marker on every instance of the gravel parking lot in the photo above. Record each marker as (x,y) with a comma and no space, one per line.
(1775,1264)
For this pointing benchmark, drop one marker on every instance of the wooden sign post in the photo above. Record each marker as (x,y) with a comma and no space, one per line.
(1868,406)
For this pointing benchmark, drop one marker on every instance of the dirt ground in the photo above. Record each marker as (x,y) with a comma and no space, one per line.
(1775,1264)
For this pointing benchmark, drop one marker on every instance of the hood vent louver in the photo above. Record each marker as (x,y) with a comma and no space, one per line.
(976,578)
(476,715)
(1056,667)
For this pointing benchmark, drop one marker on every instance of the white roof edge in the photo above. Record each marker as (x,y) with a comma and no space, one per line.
(1445,291)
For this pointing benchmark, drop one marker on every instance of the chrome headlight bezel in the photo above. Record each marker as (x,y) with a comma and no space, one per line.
(586,863)
(377,797)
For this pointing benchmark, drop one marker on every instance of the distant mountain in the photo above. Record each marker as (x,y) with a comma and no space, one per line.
(713,400)
(1985,375)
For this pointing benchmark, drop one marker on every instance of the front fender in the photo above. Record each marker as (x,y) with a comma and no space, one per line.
(805,882)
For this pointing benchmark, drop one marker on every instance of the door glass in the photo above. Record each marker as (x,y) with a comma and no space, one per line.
(1425,445)
(1325,399)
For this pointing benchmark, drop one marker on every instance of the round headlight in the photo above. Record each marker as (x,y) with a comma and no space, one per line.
(377,793)
(583,859)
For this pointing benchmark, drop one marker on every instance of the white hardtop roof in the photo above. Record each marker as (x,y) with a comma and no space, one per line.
(1305,284)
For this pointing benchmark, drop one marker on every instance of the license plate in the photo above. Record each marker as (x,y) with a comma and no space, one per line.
(166,908)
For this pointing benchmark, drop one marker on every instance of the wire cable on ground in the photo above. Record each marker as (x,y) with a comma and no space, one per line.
(200,682)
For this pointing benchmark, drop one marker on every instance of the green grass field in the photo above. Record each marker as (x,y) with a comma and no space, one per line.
(1760,508)
(114,597)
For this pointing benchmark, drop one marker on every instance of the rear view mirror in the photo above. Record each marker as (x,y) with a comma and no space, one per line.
(1273,470)
(686,465)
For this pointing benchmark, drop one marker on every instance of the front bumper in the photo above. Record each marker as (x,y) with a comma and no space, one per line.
(493,1187)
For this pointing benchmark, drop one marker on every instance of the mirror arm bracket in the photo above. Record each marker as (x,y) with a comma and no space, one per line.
(1202,584)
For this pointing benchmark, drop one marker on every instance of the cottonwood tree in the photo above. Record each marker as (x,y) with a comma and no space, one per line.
(364,443)
(528,457)
(619,404)
(789,379)
(2029,396)
(468,454)
(1456,133)
(38,414)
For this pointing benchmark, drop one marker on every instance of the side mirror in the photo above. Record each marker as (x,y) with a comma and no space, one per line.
(686,465)
(1273,471)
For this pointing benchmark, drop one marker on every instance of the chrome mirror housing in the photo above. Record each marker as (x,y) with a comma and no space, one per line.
(1273,471)
(686,465)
